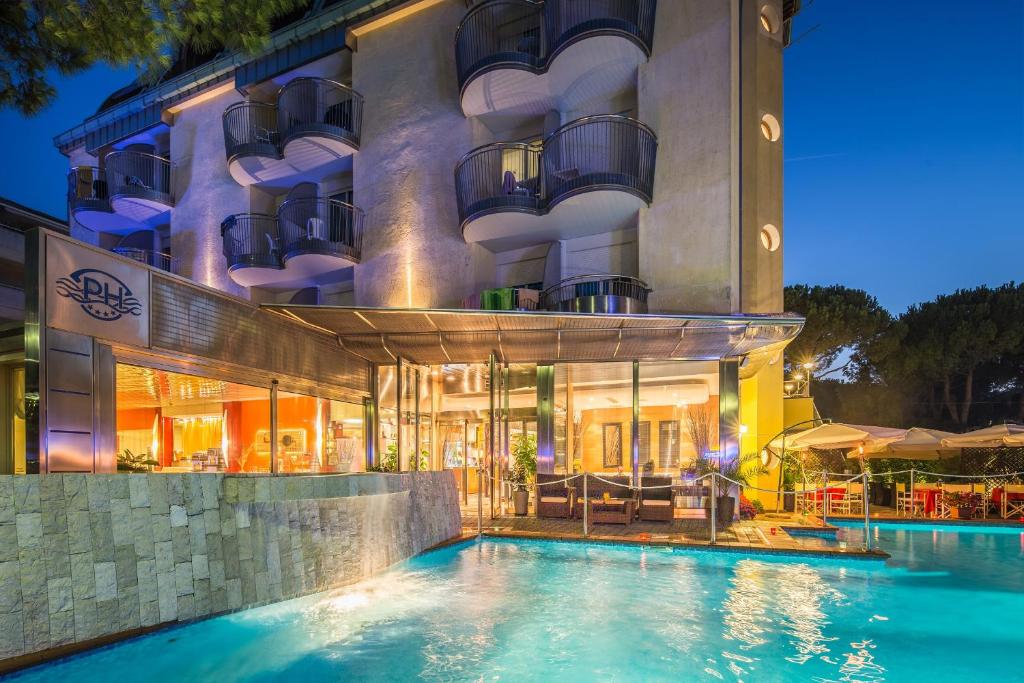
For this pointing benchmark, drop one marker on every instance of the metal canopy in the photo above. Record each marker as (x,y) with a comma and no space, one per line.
(381,335)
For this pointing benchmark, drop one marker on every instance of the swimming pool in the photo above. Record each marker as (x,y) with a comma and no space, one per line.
(946,607)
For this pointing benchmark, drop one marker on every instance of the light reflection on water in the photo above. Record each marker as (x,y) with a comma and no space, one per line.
(535,611)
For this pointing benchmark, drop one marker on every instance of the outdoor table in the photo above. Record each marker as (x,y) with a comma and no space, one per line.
(997,498)
(613,511)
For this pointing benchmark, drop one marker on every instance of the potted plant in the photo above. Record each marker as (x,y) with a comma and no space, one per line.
(741,469)
(130,462)
(524,466)
(962,505)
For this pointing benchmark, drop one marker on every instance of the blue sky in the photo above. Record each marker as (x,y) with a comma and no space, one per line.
(904,134)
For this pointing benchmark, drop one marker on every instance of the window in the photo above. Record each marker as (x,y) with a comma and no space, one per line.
(612,445)
(770,128)
(668,443)
(770,238)
(645,442)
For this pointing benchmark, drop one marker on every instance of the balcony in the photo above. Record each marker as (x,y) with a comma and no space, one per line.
(524,57)
(590,176)
(156,259)
(308,238)
(618,294)
(311,131)
(89,202)
(140,187)
(504,299)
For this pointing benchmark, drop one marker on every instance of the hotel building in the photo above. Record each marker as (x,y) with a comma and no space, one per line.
(420,235)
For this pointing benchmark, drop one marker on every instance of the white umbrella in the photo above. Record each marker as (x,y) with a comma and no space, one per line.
(838,435)
(917,444)
(989,437)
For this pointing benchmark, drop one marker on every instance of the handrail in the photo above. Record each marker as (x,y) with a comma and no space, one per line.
(306,106)
(150,257)
(320,225)
(251,240)
(591,153)
(492,35)
(575,287)
(98,191)
(130,173)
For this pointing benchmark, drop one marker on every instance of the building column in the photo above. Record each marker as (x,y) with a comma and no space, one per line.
(546,420)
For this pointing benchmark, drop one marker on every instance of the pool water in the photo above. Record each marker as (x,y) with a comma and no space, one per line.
(947,607)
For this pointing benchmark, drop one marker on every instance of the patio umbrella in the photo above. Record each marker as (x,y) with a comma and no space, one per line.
(917,444)
(989,437)
(838,435)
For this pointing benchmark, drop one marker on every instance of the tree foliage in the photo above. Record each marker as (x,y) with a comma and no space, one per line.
(954,362)
(40,37)
(838,319)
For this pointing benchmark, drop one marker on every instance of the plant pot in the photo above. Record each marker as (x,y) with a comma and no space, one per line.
(726,507)
(521,501)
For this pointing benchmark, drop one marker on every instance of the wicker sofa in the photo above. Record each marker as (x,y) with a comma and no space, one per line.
(554,500)
(656,503)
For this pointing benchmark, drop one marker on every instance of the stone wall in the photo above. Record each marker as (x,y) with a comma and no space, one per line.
(88,556)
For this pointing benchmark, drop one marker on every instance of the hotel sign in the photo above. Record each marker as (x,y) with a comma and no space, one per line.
(93,293)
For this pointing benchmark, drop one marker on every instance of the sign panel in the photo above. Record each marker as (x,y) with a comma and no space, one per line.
(93,293)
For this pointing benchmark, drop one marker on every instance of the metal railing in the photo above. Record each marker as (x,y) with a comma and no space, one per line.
(87,189)
(597,294)
(318,106)
(592,153)
(318,225)
(499,33)
(600,152)
(250,129)
(157,259)
(501,176)
(140,175)
(251,240)
(526,34)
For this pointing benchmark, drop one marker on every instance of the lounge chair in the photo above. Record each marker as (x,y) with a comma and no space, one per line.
(554,500)
(656,503)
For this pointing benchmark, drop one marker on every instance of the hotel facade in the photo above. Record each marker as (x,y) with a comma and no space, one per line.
(418,236)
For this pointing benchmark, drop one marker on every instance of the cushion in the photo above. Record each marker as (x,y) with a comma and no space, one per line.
(553,499)
(657,503)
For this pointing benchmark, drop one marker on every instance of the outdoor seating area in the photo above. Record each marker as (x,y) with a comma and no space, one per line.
(613,499)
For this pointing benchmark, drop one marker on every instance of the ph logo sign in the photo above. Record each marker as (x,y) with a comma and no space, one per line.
(100,294)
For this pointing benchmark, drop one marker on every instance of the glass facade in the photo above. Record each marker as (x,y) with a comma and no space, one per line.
(173,422)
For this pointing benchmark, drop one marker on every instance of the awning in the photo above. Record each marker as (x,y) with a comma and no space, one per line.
(835,435)
(381,335)
(989,437)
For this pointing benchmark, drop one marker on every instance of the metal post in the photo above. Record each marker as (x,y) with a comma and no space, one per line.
(492,440)
(273,426)
(713,506)
(913,499)
(479,499)
(824,498)
(586,503)
(634,451)
(867,514)
(399,389)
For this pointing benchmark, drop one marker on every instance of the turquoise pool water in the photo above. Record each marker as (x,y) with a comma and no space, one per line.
(947,607)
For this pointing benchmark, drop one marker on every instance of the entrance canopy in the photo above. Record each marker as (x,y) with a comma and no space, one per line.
(459,336)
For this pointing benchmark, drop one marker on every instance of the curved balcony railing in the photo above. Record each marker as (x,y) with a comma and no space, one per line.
(593,153)
(139,175)
(250,129)
(157,259)
(600,152)
(318,225)
(87,189)
(498,177)
(527,35)
(251,240)
(597,294)
(499,33)
(318,106)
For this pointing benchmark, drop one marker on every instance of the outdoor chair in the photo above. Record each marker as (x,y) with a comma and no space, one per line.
(1012,502)
(941,506)
(981,490)
(850,501)
(656,503)
(554,500)
(904,501)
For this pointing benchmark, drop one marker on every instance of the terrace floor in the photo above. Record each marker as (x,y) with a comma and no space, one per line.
(767,533)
